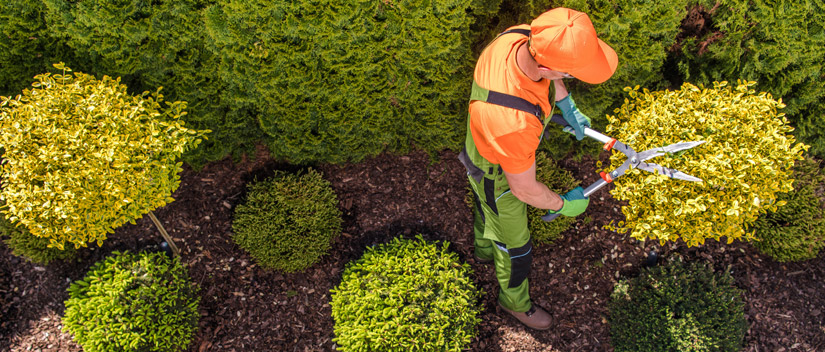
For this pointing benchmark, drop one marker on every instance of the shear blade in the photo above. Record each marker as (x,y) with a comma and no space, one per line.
(667,172)
(652,153)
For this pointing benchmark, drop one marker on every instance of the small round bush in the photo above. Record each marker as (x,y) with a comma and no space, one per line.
(407,295)
(677,307)
(795,231)
(36,249)
(133,302)
(288,220)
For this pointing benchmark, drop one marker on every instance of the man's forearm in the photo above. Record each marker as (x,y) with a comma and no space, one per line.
(540,196)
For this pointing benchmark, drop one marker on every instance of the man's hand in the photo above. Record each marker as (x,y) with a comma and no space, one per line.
(573,116)
(575,203)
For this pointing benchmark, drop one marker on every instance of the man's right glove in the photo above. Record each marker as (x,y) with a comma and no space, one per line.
(574,203)
(573,116)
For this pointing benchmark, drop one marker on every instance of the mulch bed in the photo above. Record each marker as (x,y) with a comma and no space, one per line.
(246,308)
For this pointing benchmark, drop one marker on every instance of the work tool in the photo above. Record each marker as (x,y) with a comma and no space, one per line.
(635,160)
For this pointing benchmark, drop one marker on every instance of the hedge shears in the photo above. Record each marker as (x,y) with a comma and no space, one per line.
(635,160)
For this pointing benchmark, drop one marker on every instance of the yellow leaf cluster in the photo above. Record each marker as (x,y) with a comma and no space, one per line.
(745,162)
(82,156)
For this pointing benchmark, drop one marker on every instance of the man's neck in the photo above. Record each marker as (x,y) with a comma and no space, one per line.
(526,63)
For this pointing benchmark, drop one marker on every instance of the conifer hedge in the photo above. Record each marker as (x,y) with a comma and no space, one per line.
(27,46)
(160,44)
(342,80)
(779,44)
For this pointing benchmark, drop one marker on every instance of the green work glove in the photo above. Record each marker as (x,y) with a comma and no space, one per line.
(573,116)
(574,203)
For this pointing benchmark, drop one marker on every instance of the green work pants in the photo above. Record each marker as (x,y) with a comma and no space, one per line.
(501,234)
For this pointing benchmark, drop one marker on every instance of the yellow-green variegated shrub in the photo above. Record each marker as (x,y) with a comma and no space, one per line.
(83,156)
(745,162)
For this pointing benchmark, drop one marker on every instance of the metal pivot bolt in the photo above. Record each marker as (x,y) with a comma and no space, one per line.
(633,160)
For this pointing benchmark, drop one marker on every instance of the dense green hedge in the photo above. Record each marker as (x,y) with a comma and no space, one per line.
(27,47)
(779,44)
(335,81)
(159,44)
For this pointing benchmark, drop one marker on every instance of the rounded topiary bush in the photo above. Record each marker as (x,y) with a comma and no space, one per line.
(677,307)
(288,220)
(795,231)
(133,302)
(407,295)
(36,249)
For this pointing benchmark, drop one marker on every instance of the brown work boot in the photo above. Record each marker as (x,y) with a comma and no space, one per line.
(535,317)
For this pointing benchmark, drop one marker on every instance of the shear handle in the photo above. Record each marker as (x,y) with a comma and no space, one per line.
(595,186)
(589,132)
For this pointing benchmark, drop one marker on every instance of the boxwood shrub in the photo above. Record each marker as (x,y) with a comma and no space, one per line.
(288,220)
(795,231)
(133,302)
(407,295)
(677,307)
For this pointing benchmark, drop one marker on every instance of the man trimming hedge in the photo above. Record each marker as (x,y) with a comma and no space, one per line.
(509,110)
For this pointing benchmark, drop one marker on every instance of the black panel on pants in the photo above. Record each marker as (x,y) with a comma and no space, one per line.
(520,261)
(490,194)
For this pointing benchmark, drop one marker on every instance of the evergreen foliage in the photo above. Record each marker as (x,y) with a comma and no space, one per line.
(82,156)
(746,160)
(780,44)
(560,181)
(796,231)
(288,220)
(28,47)
(34,249)
(335,81)
(407,295)
(133,302)
(677,307)
(160,44)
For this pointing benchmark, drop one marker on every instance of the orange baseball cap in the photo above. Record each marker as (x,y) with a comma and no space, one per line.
(564,40)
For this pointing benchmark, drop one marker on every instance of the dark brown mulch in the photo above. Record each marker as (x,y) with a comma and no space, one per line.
(246,308)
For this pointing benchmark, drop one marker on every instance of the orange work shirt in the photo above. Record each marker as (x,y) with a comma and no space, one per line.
(502,135)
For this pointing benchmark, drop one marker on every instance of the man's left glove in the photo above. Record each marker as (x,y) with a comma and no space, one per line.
(575,203)
(573,116)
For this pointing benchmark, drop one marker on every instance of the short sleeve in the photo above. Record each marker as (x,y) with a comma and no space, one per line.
(517,150)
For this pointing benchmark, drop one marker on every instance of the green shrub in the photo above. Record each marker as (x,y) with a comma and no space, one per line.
(82,156)
(677,307)
(133,302)
(780,44)
(796,231)
(746,160)
(407,295)
(28,47)
(33,248)
(288,220)
(160,44)
(335,81)
(560,181)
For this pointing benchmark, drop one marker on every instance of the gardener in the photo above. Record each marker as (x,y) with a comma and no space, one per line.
(509,110)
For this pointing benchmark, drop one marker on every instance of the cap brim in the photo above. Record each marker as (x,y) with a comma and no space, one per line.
(601,68)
